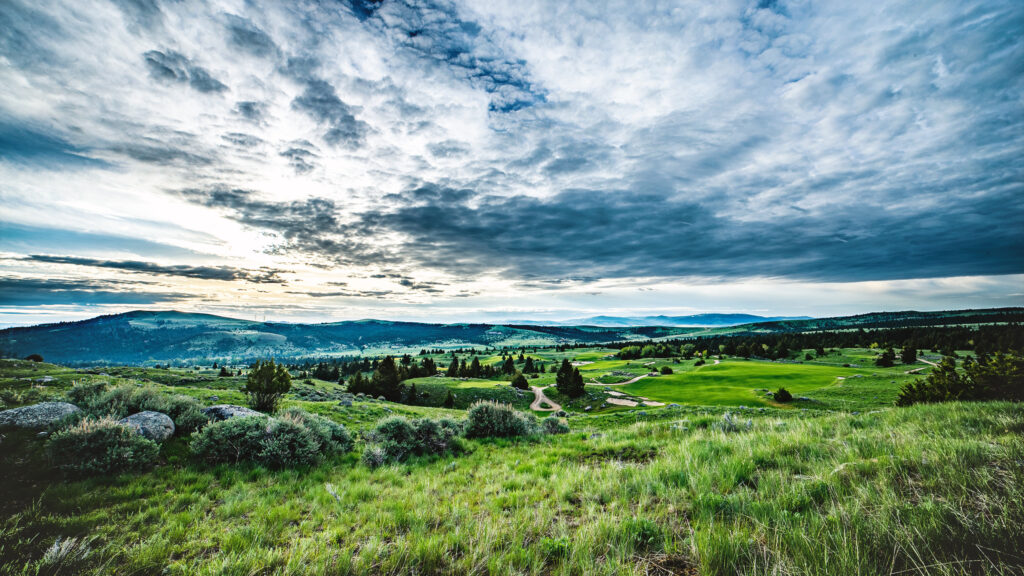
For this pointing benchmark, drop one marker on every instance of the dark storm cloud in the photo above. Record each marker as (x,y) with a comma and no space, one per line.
(225,273)
(301,159)
(172,67)
(309,227)
(145,13)
(40,291)
(250,37)
(438,33)
(320,101)
(590,233)
(252,111)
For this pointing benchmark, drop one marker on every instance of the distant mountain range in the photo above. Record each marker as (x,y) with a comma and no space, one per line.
(692,321)
(145,337)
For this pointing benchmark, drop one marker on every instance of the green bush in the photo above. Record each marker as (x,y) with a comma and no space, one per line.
(394,439)
(185,411)
(289,443)
(100,446)
(553,425)
(486,419)
(666,370)
(296,438)
(85,394)
(332,435)
(782,395)
(233,440)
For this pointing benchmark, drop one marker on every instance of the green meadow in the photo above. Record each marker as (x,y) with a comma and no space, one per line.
(842,483)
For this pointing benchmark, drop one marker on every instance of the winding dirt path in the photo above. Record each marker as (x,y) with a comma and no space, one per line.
(927,362)
(539,399)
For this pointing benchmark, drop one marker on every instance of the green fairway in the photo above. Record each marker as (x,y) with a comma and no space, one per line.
(737,382)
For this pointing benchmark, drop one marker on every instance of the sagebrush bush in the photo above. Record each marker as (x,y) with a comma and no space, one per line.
(185,411)
(394,439)
(233,440)
(289,443)
(84,394)
(330,433)
(486,419)
(296,438)
(553,425)
(100,446)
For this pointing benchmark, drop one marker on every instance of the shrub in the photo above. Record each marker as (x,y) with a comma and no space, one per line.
(666,370)
(288,443)
(125,400)
(296,438)
(782,395)
(374,456)
(1000,377)
(266,384)
(730,424)
(394,439)
(519,381)
(34,358)
(454,427)
(331,434)
(85,394)
(100,446)
(553,425)
(233,440)
(486,419)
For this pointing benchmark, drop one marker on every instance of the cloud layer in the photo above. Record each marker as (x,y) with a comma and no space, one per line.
(431,153)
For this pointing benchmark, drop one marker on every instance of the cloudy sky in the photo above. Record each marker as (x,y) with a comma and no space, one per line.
(495,160)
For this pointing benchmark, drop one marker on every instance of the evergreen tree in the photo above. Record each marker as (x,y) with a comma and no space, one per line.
(528,367)
(474,368)
(449,400)
(385,381)
(410,397)
(453,368)
(908,355)
(887,359)
(266,384)
(509,367)
(563,378)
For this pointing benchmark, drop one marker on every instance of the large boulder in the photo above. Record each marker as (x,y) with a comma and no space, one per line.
(156,426)
(225,411)
(36,416)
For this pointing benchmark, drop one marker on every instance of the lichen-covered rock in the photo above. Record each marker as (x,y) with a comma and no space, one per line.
(225,411)
(156,426)
(37,415)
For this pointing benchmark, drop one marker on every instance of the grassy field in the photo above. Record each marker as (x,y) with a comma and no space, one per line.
(924,490)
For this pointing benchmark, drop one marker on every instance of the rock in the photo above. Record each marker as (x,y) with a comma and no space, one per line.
(345,402)
(37,415)
(642,413)
(214,398)
(225,411)
(588,408)
(596,435)
(156,426)
(674,405)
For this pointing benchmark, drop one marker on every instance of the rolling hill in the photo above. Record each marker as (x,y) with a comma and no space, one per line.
(147,337)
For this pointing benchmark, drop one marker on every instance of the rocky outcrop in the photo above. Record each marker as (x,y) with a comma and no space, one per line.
(36,416)
(225,411)
(156,426)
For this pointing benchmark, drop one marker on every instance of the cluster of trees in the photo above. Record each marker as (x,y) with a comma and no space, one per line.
(568,380)
(996,377)
(944,339)
(388,376)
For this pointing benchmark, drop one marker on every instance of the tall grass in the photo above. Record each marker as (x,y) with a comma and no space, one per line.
(924,490)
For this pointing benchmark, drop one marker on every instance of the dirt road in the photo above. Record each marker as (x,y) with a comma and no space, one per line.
(539,399)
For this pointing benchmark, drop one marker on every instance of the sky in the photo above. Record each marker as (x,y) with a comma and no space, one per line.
(488,161)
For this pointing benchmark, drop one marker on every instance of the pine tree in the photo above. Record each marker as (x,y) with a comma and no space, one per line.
(474,368)
(563,378)
(453,368)
(449,401)
(529,368)
(509,367)
(410,397)
(385,381)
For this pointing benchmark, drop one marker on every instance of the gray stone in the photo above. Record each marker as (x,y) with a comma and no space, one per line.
(156,426)
(673,405)
(225,411)
(36,416)
(214,398)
